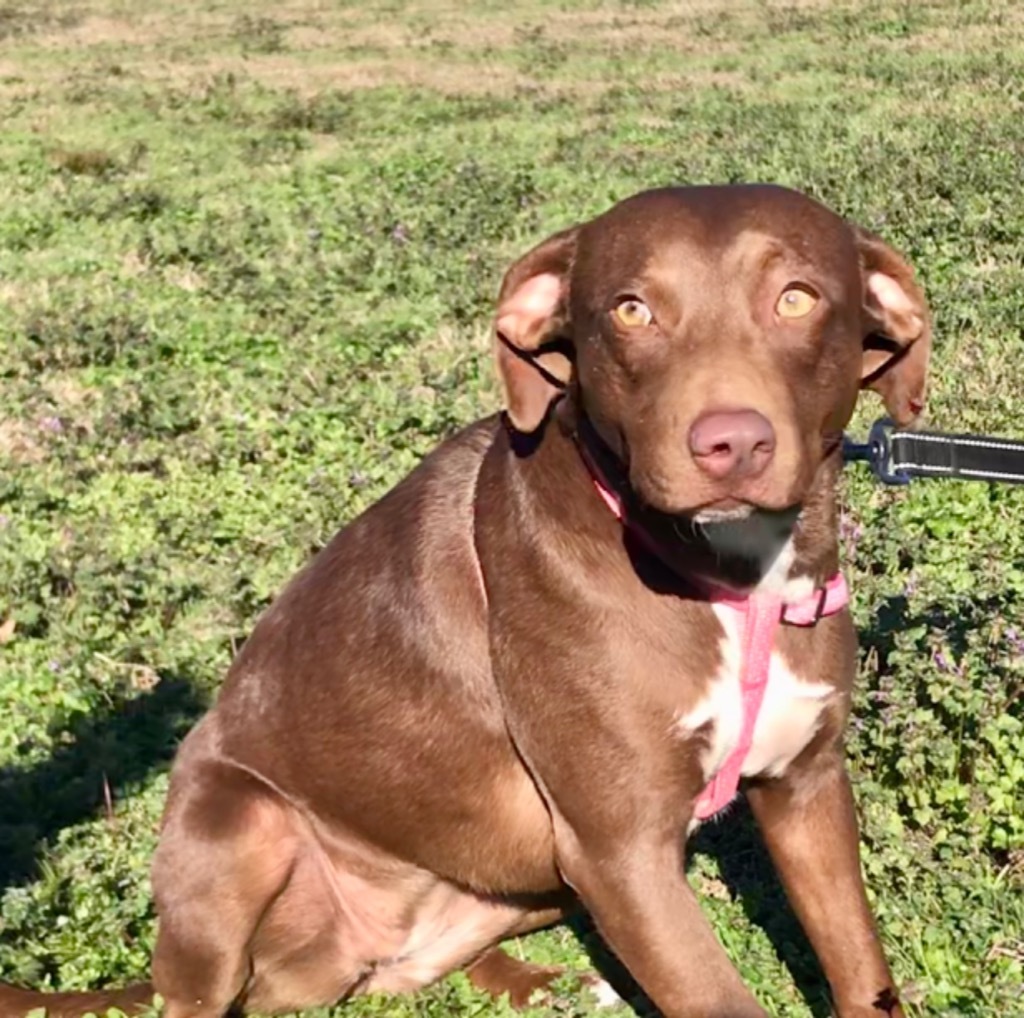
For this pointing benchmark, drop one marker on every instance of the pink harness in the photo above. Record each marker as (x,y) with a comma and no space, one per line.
(762,615)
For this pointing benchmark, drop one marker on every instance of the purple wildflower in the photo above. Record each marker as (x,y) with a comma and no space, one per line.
(1015,640)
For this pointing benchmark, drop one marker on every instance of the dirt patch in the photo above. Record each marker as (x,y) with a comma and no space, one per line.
(29,17)
(101,31)
(17,444)
(447,78)
(448,51)
(955,38)
(16,293)
(284,72)
(67,393)
(184,278)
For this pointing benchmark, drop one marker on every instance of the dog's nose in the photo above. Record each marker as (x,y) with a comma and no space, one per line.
(732,444)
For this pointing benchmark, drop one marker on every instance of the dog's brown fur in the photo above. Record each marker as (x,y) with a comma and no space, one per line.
(463,716)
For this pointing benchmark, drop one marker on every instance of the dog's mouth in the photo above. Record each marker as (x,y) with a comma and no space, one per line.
(730,509)
(742,534)
(734,516)
(729,524)
(726,510)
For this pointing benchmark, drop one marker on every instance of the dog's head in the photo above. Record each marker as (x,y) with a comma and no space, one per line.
(716,338)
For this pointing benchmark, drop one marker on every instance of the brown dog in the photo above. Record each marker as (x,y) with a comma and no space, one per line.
(504,689)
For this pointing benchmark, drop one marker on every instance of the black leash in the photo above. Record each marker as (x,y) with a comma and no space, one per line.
(896,457)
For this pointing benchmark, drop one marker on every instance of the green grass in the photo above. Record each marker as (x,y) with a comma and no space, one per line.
(247,258)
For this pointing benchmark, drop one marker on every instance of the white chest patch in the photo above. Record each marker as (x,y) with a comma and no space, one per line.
(789,717)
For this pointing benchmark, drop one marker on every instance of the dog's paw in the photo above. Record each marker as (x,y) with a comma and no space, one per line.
(601,990)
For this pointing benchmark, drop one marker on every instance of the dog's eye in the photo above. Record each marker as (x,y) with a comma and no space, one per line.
(632,313)
(796,302)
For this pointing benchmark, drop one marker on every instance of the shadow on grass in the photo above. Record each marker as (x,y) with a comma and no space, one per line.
(609,967)
(955,621)
(116,747)
(750,876)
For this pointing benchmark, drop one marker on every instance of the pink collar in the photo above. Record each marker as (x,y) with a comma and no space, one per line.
(762,615)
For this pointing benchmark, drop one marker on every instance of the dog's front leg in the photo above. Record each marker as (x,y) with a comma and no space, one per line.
(809,825)
(636,891)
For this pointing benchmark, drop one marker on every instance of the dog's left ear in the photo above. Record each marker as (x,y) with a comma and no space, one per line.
(532,346)
(897,329)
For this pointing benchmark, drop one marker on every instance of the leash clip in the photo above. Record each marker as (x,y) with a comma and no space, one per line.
(876,452)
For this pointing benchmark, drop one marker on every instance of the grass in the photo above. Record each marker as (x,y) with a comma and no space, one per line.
(247,258)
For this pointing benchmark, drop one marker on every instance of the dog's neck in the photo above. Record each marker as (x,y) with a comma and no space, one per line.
(788,554)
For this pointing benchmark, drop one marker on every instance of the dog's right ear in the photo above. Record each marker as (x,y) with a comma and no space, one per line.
(897,327)
(532,343)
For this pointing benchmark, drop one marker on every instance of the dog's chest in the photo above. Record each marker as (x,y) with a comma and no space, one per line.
(790,713)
